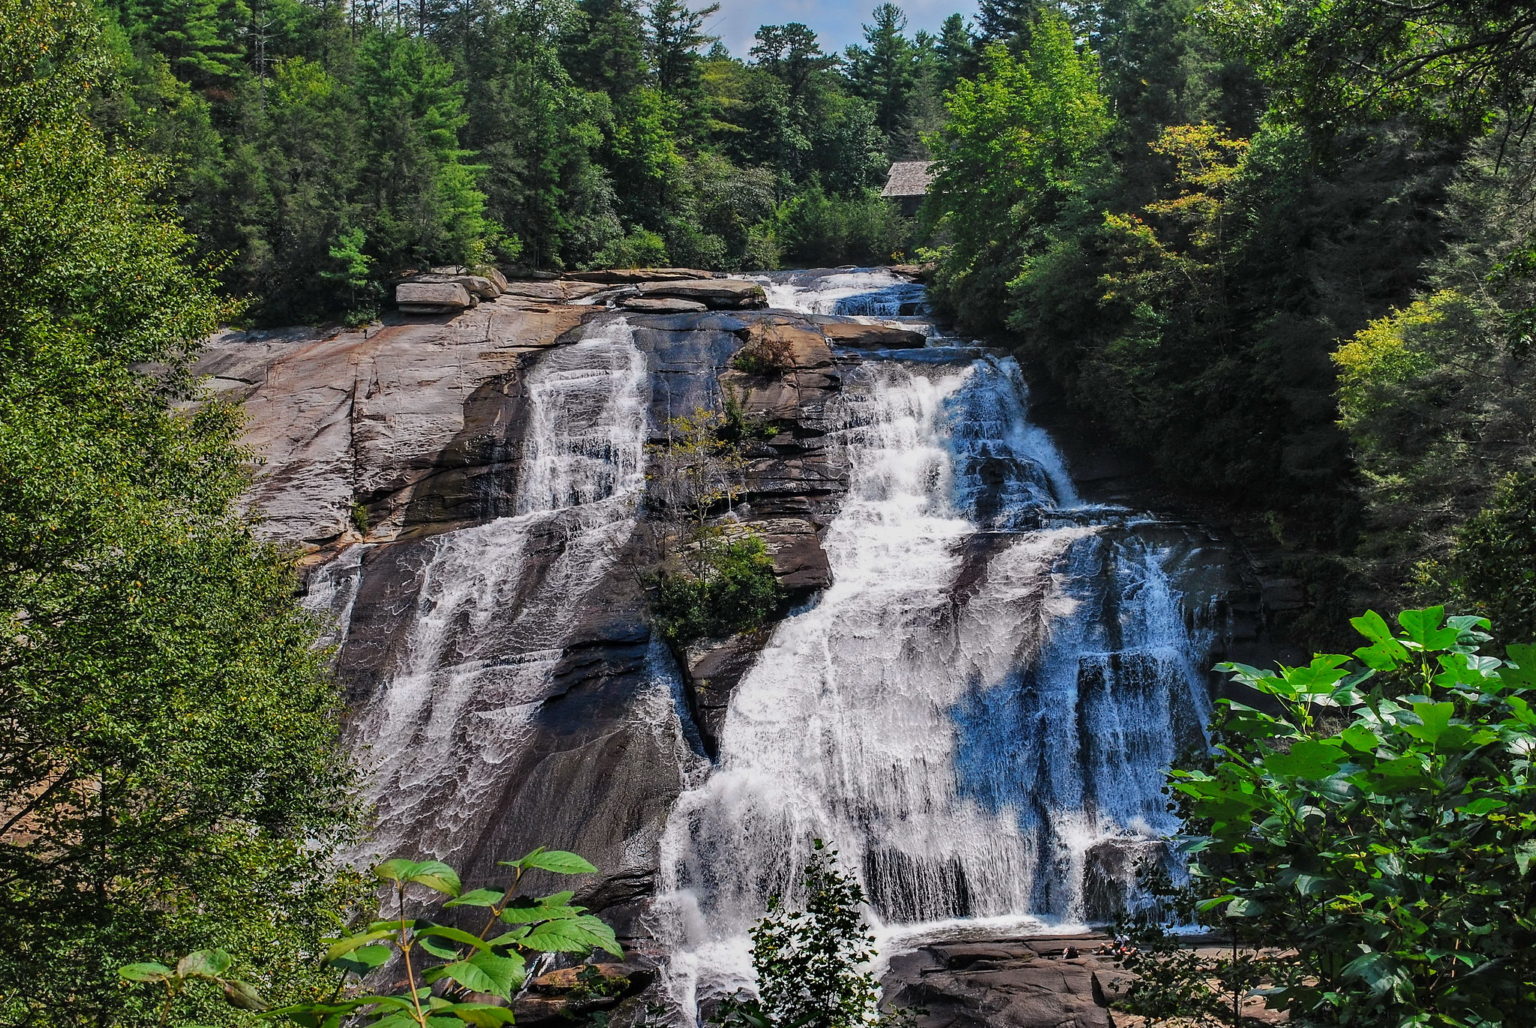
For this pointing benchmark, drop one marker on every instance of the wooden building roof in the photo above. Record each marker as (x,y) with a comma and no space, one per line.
(908,178)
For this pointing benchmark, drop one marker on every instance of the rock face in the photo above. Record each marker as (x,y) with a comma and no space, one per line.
(383,449)
(414,425)
(1024,983)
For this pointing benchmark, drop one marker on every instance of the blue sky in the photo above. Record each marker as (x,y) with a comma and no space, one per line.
(836,23)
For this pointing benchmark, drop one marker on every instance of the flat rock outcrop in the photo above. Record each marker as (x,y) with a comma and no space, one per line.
(1024,983)
(480,287)
(547,291)
(858,335)
(729,294)
(661,305)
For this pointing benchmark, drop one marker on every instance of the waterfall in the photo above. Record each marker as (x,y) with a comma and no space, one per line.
(985,699)
(876,293)
(484,621)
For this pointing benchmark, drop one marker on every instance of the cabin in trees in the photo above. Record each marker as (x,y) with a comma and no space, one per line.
(907,184)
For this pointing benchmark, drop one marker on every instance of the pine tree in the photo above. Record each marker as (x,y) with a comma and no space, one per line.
(421,198)
(884,70)
(199,37)
(605,48)
(955,52)
(1009,22)
(792,54)
(676,38)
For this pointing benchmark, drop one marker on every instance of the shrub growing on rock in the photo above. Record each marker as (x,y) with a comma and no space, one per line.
(730,588)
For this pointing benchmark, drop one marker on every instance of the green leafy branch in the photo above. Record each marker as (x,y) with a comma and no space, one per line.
(445,968)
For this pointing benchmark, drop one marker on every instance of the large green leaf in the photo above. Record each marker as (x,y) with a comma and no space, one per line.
(243,996)
(1308,758)
(148,972)
(395,870)
(557,861)
(481,1015)
(363,959)
(453,934)
(524,910)
(1426,628)
(489,973)
(341,947)
(435,874)
(1378,970)
(1435,718)
(477,898)
(576,935)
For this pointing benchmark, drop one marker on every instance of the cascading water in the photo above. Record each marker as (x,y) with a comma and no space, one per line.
(483,631)
(986,697)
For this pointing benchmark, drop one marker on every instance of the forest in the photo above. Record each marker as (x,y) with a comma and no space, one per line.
(1280,250)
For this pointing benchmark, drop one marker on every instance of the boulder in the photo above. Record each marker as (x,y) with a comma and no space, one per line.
(799,562)
(478,286)
(661,305)
(730,294)
(611,977)
(856,335)
(714,667)
(566,995)
(632,276)
(432,298)
(495,275)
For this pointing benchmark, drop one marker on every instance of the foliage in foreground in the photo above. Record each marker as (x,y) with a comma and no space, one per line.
(170,776)
(1381,820)
(439,967)
(812,964)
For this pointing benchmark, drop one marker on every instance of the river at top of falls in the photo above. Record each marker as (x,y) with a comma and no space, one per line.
(482,632)
(981,706)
